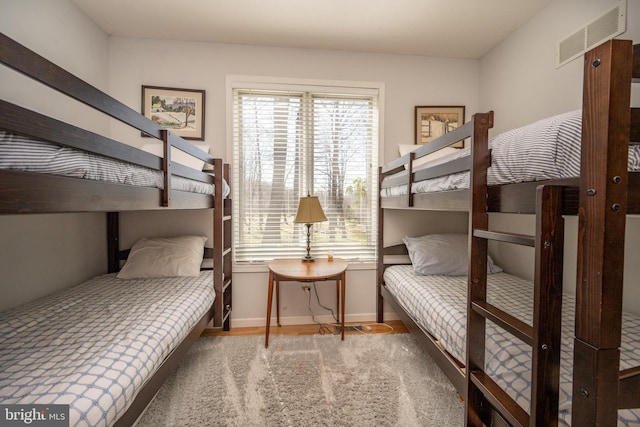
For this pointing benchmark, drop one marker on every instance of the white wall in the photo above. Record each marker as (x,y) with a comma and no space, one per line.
(519,81)
(57,30)
(42,253)
(408,81)
(518,78)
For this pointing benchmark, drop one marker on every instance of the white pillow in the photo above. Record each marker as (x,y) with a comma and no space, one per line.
(406,148)
(164,257)
(177,155)
(442,254)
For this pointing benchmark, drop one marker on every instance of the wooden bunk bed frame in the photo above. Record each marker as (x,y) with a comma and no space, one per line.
(601,197)
(26,192)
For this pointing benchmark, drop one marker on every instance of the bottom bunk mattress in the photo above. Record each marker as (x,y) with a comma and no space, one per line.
(95,345)
(438,305)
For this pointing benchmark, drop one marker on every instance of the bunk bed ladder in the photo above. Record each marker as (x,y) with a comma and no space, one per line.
(543,336)
(487,402)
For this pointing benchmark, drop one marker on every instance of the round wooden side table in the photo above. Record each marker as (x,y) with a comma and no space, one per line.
(296,270)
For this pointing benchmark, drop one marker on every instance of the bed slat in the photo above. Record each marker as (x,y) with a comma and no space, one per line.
(25,192)
(454,166)
(506,321)
(20,120)
(517,239)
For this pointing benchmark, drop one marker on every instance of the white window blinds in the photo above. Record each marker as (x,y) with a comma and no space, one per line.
(291,143)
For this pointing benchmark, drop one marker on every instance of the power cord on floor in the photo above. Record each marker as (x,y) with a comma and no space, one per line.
(315,291)
(363,328)
(323,329)
(336,328)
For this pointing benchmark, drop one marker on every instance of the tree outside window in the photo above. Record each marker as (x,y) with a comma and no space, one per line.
(291,144)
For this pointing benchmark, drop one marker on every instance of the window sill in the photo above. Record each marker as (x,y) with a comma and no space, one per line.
(261,267)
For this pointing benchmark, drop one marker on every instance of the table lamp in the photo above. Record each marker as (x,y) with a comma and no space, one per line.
(309,211)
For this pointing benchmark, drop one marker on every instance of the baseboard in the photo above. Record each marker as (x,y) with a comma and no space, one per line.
(308,320)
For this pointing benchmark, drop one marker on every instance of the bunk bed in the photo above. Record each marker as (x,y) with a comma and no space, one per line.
(199,298)
(570,347)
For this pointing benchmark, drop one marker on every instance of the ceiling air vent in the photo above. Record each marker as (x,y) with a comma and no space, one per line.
(601,29)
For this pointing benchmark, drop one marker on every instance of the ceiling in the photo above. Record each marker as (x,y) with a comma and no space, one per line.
(451,28)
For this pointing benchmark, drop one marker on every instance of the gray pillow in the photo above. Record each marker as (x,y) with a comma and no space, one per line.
(442,254)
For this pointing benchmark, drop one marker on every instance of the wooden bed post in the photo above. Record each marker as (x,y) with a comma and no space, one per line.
(222,249)
(113,243)
(227,250)
(601,229)
(218,242)
(380,267)
(166,167)
(412,157)
(547,307)
(477,284)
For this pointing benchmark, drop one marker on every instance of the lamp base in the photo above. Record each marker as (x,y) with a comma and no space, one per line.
(308,257)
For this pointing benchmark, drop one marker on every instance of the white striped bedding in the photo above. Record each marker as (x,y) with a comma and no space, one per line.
(95,345)
(546,149)
(25,154)
(438,305)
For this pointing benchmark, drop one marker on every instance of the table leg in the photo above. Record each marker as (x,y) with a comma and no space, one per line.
(269,300)
(277,302)
(338,300)
(343,285)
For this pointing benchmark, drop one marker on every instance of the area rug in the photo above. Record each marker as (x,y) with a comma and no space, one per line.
(318,380)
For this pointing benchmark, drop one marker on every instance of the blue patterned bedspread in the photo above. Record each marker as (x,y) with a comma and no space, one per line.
(94,346)
(438,304)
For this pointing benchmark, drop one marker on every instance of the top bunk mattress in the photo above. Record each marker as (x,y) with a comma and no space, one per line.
(93,346)
(31,155)
(438,304)
(544,150)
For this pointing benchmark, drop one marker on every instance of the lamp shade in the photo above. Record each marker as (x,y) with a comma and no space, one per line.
(309,211)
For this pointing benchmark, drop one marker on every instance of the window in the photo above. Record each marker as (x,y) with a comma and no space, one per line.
(295,141)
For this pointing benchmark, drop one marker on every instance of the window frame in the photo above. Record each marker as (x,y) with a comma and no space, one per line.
(296,84)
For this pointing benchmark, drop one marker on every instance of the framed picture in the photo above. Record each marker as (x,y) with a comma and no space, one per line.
(432,122)
(178,110)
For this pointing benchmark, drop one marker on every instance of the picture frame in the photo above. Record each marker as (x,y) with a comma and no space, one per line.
(432,122)
(179,110)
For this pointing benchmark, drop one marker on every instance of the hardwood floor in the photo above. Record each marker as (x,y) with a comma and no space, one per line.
(391,327)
